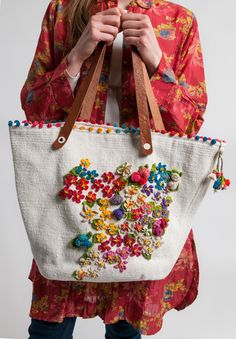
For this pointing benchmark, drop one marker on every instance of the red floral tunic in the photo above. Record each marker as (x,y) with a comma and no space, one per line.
(179,87)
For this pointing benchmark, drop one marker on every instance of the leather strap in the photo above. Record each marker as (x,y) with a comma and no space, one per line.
(85,98)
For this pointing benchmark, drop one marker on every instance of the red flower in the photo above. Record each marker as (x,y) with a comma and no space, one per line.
(136,214)
(91,197)
(117,240)
(104,246)
(83,184)
(107,191)
(108,177)
(97,184)
(119,184)
(129,240)
(77,196)
(71,179)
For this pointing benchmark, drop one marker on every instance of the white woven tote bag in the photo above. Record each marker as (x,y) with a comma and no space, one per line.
(103,203)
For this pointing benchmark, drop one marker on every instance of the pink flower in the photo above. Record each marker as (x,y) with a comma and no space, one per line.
(123,252)
(121,265)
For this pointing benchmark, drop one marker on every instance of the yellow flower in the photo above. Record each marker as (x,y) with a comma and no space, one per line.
(88,214)
(80,274)
(141,199)
(112,229)
(100,237)
(105,214)
(85,162)
(103,203)
(98,224)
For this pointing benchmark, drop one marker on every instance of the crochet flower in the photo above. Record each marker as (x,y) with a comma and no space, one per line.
(123,252)
(91,197)
(116,240)
(91,175)
(131,191)
(83,184)
(135,250)
(104,246)
(110,256)
(88,214)
(85,163)
(129,204)
(124,169)
(147,190)
(121,265)
(129,240)
(97,185)
(107,191)
(108,177)
(118,184)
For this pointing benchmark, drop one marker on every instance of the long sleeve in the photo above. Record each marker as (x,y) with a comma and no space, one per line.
(47,94)
(180,89)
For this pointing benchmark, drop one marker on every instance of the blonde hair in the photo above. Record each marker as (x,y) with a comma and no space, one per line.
(78,14)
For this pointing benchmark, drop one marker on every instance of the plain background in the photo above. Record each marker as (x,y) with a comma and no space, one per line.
(212,315)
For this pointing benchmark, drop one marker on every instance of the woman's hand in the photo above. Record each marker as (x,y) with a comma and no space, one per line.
(102,26)
(138,30)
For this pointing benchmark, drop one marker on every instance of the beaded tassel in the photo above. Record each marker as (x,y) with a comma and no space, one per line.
(220,182)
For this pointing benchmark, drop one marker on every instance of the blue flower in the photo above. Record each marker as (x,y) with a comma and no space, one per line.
(91,175)
(160,167)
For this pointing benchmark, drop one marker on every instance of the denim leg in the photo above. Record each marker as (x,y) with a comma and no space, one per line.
(40,329)
(122,330)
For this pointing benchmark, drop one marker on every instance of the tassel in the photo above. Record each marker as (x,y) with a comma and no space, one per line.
(220,182)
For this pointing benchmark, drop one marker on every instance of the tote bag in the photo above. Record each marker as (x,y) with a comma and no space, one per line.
(105,203)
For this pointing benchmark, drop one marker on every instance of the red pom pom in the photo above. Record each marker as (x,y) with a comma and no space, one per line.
(35,123)
(49,125)
(93,121)
(86,120)
(163,131)
(227,182)
(58,124)
(135,177)
(100,122)
(40,125)
(142,181)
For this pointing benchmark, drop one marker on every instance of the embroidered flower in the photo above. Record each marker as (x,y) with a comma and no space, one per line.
(129,204)
(123,252)
(107,191)
(104,246)
(98,224)
(83,184)
(91,175)
(91,197)
(88,214)
(116,240)
(118,184)
(85,163)
(129,240)
(106,214)
(131,191)
(112,229)
(97,184)
(99,237)
(121,265)
(110,256)
(108,177)
(124,169)
(147,189)
(136,250)
(146,208)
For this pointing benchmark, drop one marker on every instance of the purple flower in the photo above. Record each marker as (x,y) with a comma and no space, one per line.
(147,189)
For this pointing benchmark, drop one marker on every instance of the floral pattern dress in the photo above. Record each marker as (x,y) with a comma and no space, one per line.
(179,87)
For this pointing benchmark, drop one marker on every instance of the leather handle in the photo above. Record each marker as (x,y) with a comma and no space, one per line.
(86,95)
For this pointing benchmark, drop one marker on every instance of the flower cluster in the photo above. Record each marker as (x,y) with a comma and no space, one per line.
(126,212)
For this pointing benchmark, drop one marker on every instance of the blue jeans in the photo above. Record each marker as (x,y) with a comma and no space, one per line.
(40,329)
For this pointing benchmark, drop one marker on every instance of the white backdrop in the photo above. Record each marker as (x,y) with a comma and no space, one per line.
(212,315)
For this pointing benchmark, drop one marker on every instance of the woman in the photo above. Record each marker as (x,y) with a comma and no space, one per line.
(167,39)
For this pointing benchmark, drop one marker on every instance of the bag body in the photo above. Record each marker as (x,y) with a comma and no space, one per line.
(105,203)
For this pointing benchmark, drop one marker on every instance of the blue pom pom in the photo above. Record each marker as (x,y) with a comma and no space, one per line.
(10,123)
(205,138)
(126,130)
(17,123)
(197,137)
(115,125)
(117,130)
(123,126)
(26,124)
(213,141)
